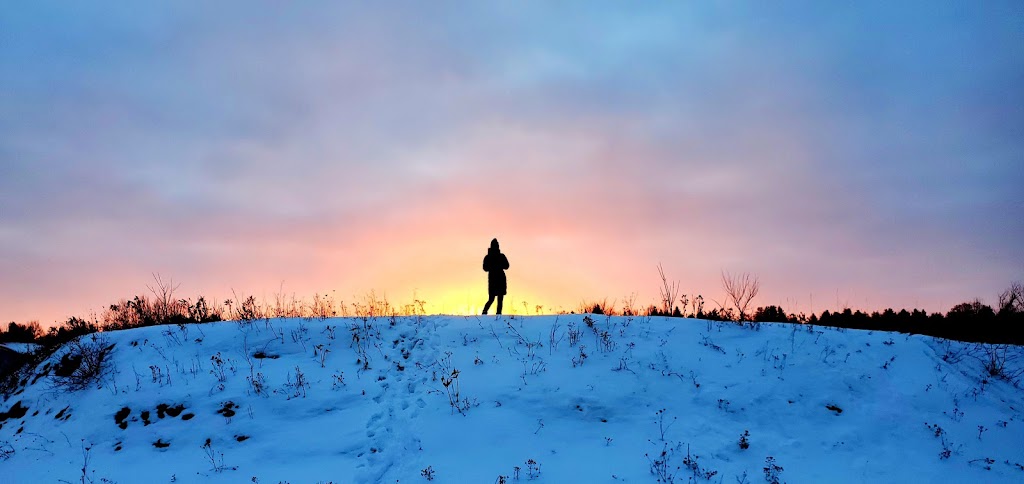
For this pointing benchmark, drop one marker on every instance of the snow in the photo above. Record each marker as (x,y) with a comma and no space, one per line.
(827,405)
(20,347)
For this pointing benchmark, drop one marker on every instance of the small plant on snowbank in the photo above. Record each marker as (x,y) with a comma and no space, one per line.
(604,341)
(450,383)
(984,463)
(451,386)
(699,473)
(320,353)
(298,387)
(300,335)
(554,337)
(364,336)
(574,334)
(532,469)
(579,359)
(956,414)
(86,451)
(707,343)
(662,428)
(216,458)
(6,450)
(660,466)
(669,293)
(258,383)
(247,311)
(771,470)
(947,447)
(745,440)
(337,380)
(218,367)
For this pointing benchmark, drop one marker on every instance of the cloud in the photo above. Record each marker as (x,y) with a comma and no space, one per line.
(831,150)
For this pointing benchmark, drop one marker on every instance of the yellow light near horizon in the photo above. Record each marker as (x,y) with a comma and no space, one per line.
(457,301)
(469,301)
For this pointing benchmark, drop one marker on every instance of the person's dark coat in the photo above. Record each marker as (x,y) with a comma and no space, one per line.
(495,264)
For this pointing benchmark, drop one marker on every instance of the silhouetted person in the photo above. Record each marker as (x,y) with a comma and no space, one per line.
(495,264)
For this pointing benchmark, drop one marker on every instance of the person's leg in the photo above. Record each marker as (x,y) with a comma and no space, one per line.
(488,305)
(500,300)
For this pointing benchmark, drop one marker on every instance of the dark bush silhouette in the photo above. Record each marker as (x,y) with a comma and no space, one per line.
(141,311)
(21,333)
(71,329)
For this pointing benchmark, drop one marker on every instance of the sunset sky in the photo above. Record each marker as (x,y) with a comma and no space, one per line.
(862,154)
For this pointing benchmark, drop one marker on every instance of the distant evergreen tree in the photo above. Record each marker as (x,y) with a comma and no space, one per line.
(771,314)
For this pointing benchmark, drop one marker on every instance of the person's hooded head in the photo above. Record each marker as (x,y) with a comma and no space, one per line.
(494,246)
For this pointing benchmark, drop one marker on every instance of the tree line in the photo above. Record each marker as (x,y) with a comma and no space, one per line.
(971,321)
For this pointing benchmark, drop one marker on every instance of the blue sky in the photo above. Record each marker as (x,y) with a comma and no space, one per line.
(867,154)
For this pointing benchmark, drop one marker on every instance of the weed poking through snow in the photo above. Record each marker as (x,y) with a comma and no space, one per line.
(452,388)
(216,458)
(772,471)
(298,387)
(745,440)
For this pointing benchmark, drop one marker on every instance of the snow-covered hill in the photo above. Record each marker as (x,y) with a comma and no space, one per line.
(20,347)
(554,399)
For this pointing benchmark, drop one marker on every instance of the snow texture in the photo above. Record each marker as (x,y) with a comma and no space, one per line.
(20,347)
(471,399)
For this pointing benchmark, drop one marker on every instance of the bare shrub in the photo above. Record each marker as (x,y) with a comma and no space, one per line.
(628,305)
(128,313)
(83,364)
(161,308)
(1002,361)
(285,305)
(322,307)
(740,289)
(164,305)
(202,312)
(373,306)
(247,310)
(15,367)
(1011,301)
